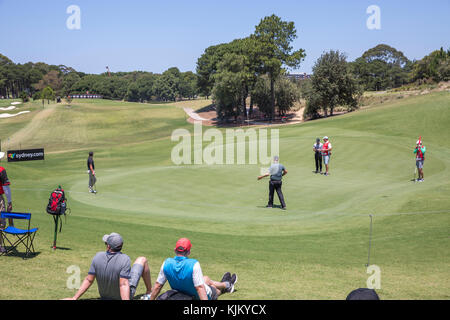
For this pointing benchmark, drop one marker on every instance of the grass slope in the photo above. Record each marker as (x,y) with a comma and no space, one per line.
(315,250)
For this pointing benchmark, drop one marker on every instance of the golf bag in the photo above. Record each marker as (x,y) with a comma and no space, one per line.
(57,204)
(174,295)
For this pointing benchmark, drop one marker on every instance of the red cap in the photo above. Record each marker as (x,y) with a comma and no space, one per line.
(183,244)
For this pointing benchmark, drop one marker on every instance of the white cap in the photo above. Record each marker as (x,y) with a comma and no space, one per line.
(2,154)
(325,138)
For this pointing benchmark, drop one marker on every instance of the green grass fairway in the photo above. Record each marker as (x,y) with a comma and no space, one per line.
(316,249)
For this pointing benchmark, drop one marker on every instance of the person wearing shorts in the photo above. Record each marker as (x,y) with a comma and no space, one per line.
(419,151)
(326,153)
(185,275)
(4,190)
(116,279)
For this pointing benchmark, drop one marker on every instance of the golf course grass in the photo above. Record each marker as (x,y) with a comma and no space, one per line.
(316,249)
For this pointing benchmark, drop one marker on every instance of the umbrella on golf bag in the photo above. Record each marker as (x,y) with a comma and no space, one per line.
(57,206)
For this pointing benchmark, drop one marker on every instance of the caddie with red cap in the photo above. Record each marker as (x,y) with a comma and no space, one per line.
(185,276)
(326,154)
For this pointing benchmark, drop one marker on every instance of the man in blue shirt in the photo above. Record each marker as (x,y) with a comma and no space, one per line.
(185,275)
(276,172)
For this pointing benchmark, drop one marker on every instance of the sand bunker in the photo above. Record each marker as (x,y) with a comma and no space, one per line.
(8,108)
(191,113)
(16,102)
(8,115)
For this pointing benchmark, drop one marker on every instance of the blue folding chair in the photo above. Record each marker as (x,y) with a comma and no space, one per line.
(15,236)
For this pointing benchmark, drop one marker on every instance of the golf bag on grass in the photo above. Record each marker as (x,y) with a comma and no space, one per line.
(174,295)
(57,206)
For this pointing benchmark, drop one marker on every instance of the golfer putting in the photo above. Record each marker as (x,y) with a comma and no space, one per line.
(276,172)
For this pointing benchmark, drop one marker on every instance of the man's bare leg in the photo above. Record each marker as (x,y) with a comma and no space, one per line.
(219,286)
(145,273)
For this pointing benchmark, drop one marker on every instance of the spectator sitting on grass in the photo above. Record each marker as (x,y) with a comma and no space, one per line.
(116,280)
(185,275)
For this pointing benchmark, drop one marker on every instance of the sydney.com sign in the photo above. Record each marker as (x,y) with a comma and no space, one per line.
(25,155)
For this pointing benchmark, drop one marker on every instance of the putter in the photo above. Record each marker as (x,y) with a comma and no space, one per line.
(370,241)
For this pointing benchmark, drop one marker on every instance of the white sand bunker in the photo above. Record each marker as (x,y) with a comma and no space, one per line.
(191,113)
(8,115)
(8,108)
(16,102)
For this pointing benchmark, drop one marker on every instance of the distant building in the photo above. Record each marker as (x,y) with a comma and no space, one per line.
(298,76)
(86,96)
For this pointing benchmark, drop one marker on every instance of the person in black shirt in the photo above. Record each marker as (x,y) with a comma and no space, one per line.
(91,171)
(317,149)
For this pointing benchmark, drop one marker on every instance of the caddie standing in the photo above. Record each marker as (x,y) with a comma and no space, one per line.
(326,153)
(419,151)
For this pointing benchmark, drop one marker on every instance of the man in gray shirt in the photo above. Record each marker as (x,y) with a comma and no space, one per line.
(116,279)
(276,172)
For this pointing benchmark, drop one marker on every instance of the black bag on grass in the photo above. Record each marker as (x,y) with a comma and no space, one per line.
(174,295)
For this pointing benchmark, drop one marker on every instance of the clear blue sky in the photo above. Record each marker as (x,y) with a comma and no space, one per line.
(153,35)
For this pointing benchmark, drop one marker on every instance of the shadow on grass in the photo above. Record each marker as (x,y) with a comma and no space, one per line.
(62,248)
(16,254)
(211,107)
(275,206)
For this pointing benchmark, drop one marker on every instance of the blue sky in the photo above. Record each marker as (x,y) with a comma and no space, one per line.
(153,35)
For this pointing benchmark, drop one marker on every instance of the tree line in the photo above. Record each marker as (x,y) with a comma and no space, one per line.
(43,81)
(254,68)
(240,75)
